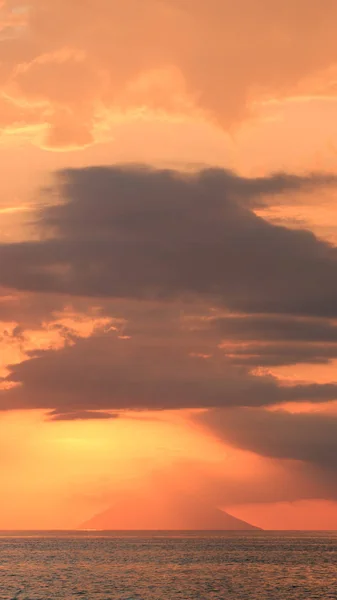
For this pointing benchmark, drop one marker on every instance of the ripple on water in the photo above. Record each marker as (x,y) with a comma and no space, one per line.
(257,566)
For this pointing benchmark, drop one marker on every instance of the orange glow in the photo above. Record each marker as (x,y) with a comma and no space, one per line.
(305,515)
(188,87)
(74,466)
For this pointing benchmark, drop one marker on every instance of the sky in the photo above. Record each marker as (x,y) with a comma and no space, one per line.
(168,262)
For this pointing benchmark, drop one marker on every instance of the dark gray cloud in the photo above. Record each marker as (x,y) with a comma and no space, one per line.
(278,355)
(118,235)
(281,480)
(80,415)
(104,372)
(302,447)
(140,233)
(275,328)
(273,340)
(309,437)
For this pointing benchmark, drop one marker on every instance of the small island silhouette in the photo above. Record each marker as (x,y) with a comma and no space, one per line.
(136,512)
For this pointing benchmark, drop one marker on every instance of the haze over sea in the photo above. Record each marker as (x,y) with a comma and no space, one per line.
(168,565)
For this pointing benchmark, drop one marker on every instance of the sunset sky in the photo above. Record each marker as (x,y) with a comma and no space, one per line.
(168,261)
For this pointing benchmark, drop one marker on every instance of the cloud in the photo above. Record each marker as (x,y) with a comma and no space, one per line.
(29,309)
(80,415)
(180,243)
(300,450)
(308,437)
(301,446)
(107,372)
(274,340)
(275,328)
(277,355)
(139,233)
(223,56)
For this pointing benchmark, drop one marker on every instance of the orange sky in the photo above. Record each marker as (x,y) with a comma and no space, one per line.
(178,84)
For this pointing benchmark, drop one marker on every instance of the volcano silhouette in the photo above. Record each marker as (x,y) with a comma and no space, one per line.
(183,513)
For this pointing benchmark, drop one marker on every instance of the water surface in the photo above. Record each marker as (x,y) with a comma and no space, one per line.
(166,566)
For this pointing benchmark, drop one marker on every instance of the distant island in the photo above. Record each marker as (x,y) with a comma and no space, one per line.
(183,514)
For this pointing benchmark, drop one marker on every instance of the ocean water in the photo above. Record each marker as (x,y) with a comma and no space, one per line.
(159,566)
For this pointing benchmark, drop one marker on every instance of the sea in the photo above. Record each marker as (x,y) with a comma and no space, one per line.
(168,566)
